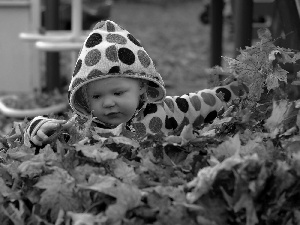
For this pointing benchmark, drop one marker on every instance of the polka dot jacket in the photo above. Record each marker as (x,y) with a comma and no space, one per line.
(111,51)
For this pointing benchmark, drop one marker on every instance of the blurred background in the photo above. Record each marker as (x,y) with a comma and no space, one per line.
(40,41)
(169,30)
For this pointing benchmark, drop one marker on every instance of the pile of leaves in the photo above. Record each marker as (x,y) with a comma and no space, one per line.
(243,168)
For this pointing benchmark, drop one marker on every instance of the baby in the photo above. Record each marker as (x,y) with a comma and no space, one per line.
(116,82)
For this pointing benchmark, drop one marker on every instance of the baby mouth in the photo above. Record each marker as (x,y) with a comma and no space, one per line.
(112,114)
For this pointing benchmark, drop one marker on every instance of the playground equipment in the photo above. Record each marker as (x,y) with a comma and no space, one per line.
(277,15)
(247,15)
(53,40)
(22,113)
(21,61)
(18,60)
(59,40)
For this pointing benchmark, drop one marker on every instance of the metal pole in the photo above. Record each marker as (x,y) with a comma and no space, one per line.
(52,58)
(243,13)
(76,23)
(216,18)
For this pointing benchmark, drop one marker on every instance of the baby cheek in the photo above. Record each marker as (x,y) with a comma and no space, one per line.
(95,106)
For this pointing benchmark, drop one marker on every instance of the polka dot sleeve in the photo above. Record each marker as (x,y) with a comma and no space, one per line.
(178,111)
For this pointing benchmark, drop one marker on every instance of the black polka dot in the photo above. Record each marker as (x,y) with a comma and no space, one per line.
(196,102)
(114,69)
(116,38)
(155,124)
(140,129)
(76,82)
(169,102)
(198,121)
(208,98)
(182,104)
(210,116)
(110,27)
(77,67)
(226,93)
(99,25)
(126,56)
(93,40)
(111,53)
(92,57)
(144,58)
(94,73)
(171,123)
(150,108)
(133,40)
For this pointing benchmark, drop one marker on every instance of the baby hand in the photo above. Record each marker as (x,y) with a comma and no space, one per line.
(47,131)
(42,130)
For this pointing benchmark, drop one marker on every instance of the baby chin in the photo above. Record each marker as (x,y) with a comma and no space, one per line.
(115,118)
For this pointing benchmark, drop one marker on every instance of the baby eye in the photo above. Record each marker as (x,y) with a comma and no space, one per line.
(96,96)
(118,93)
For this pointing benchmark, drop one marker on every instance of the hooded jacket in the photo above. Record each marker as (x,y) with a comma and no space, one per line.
(111,51)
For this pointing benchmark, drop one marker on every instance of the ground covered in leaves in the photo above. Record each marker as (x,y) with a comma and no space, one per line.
(244,168)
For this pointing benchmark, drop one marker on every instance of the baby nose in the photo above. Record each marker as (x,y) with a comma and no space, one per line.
(108,102)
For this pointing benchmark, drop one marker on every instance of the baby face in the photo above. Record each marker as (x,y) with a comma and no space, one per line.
(114,100)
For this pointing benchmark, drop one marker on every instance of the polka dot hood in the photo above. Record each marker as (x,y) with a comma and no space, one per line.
(111,51)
